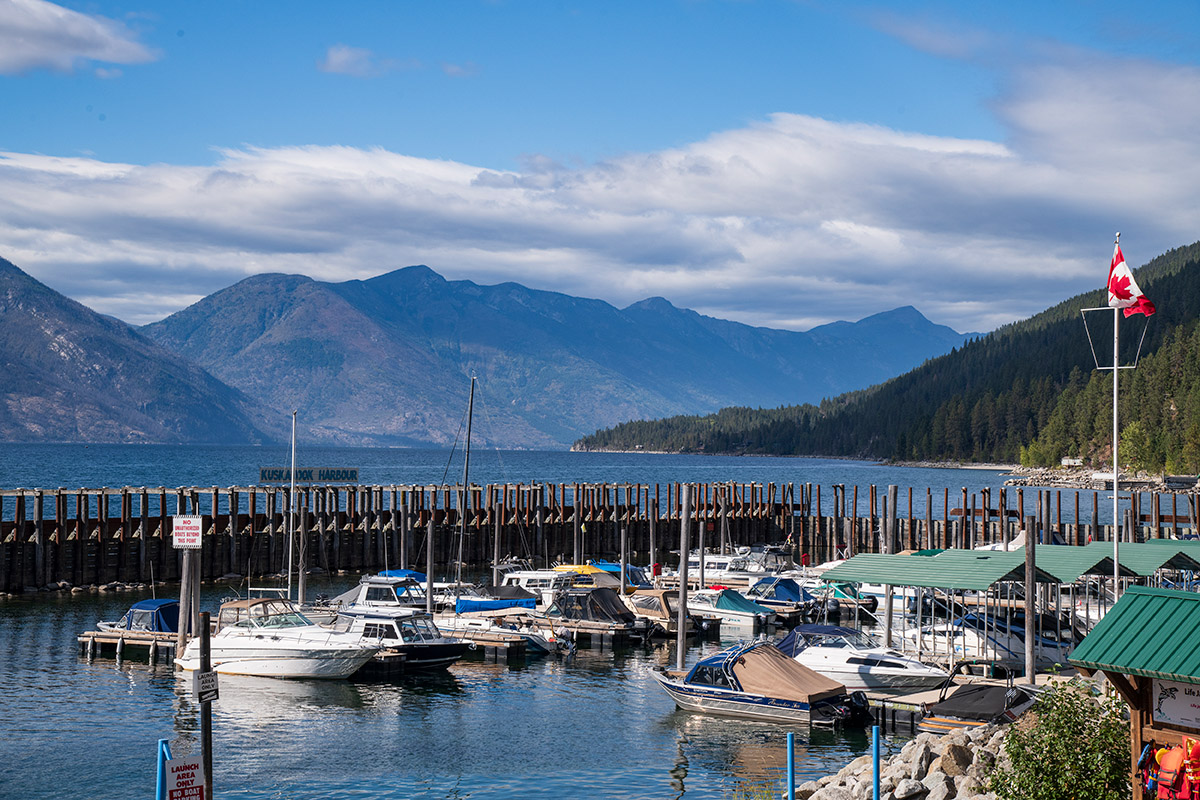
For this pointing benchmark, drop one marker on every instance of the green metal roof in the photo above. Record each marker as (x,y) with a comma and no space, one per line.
(1154,633)
(1147,559)
(1069,563)
(953,569)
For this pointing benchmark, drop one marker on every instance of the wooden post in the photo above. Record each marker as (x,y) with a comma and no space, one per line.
(39,540)
(684,547)
(893,498)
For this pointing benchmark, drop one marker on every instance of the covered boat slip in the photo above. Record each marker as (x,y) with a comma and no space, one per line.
(1070,580)
(1148,647)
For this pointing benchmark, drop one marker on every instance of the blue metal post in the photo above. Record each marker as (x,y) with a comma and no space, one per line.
(791,767)
(875,761)
(164,755)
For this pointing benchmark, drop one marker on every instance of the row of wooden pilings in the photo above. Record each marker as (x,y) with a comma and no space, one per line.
(98,536)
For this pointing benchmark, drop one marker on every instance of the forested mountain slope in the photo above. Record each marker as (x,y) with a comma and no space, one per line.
(1028,390)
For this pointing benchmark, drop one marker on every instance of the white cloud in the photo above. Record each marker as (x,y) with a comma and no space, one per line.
(792,221)
(35,34)
(358,62)
(467,70)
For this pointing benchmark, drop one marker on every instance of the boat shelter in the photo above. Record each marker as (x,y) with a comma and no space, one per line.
(1148,647)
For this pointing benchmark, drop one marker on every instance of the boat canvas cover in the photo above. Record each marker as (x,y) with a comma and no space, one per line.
(599,605)
(730,600)
(784,589)
(802,636)
(508,593)
(978,702)
(160,616)
(465,605)
(767,671)
(419,577)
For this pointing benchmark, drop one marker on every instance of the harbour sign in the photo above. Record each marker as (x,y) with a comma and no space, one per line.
(308,475)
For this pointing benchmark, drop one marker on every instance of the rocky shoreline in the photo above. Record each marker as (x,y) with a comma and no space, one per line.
(1088,478)
(954,766)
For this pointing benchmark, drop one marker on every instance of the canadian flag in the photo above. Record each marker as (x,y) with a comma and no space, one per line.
(1123,291)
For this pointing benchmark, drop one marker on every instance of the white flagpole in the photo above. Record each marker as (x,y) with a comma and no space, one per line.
(1116,441)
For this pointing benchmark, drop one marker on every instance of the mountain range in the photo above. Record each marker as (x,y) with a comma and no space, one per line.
(1033,391)
(70,374)
(387,361)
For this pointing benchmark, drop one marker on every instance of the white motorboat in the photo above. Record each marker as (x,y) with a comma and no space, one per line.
(730,606)
(409,638)
(977,636)
(544,584)
(269,638)
(855,659)
(508,621)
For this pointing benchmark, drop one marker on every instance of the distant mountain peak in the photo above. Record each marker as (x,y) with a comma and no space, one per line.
(656,304)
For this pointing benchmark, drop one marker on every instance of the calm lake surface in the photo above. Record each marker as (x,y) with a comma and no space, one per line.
(592,725)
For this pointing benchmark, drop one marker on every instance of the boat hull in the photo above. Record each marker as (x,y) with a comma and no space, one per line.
(296,663)
(728,703)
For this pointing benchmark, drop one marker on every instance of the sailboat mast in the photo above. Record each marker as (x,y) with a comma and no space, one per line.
(462,534)
(291,507)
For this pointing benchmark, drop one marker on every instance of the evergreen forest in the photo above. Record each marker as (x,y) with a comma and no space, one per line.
(1029,392)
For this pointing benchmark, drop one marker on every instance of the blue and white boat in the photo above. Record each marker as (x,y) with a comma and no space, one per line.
(758,681)
(151,616)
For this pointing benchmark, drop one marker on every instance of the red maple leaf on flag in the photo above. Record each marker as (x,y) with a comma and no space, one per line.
(1119,287)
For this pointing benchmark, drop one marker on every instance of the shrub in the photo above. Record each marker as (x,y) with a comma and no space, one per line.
(1072,745)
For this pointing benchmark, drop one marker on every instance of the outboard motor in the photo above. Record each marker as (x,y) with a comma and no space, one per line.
(832,607)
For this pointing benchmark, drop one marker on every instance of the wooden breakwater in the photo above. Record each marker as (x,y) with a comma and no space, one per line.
(82,537)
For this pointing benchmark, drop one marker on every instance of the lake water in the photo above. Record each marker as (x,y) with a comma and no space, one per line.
(594,724)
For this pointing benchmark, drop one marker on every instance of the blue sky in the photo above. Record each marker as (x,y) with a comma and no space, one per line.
(777,163)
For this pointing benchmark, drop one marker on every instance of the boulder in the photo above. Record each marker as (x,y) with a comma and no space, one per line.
(922,757)
(908,788)
(832,793)
(967,786)
(955,759)
(806,790)
(943,791)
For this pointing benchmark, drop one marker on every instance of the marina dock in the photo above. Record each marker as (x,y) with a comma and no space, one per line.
(84,537)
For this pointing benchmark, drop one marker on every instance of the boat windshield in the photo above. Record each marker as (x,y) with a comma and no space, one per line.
(858,640)
(418,629)
(270,614)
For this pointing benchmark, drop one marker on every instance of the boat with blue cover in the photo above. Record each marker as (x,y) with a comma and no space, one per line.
(152,616)
(758,681)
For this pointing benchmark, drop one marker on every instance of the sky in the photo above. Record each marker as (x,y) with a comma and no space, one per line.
(782,163)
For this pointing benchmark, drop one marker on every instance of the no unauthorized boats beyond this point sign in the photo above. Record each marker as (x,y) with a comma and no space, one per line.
(185,779)
(185,532)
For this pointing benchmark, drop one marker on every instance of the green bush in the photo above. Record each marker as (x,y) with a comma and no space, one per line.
(1072,745)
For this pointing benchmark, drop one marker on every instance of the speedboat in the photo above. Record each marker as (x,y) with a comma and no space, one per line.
(758,681)
(787,596)
(542,583)
(662,607)
(730,607)
(855,659)
(503,621)
(385,590)
(409,638)
(975,635)
(597,611)
(268,637)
